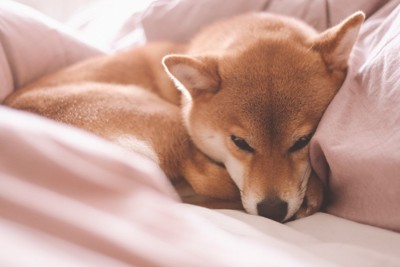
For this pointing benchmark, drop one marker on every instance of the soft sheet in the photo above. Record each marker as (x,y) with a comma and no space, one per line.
(69,198)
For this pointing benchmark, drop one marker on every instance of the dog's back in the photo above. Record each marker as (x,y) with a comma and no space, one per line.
(139,66)
(240,32)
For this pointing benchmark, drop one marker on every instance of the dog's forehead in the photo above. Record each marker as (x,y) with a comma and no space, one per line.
(259,115)
(267,115)
(272,75)
(270,87)
(271,60)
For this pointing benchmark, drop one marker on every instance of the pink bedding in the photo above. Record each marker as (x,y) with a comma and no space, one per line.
(68,198)
(357,145)
(77,199)
(32,45)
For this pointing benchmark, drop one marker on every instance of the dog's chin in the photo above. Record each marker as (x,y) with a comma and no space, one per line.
(250,204)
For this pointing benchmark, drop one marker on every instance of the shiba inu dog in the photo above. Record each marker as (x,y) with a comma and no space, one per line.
(252,90)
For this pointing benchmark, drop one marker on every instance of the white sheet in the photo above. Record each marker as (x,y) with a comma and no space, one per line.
(334,239)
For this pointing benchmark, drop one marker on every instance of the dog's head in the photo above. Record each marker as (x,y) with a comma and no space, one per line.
(255,109)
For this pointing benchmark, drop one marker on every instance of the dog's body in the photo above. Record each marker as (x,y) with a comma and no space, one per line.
(253,90)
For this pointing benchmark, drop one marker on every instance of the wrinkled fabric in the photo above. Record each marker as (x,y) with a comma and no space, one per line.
(69,198)
(32,45)
(357,144)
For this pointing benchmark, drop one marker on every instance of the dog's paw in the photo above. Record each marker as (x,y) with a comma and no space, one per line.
(210,179)
(313,198)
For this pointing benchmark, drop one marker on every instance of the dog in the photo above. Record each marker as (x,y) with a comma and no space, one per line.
(251,92)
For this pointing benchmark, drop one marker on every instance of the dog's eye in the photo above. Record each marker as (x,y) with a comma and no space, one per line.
(300,143)
(242,144)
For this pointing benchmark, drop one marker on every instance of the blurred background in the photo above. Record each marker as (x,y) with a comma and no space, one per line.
(63,10)
(105,24)
(60,10)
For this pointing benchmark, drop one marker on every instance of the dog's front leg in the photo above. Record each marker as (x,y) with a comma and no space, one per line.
(210,182)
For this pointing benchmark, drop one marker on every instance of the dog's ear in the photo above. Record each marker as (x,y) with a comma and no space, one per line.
(336,43)
(192,75)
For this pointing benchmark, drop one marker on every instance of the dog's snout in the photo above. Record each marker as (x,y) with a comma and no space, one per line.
(273,208)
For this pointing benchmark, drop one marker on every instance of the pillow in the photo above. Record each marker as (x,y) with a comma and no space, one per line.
(127,23)
(177,20)
(340,9)
(32,45)
(357,144)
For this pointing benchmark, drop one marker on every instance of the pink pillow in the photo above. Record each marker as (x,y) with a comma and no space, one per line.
(357,144)
(179,20)
(146,21)
(340,9)
(32,45)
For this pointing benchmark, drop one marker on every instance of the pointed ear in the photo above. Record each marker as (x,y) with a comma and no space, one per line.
(192,75)
(335,44)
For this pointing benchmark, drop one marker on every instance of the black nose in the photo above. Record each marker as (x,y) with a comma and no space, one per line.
(273,208)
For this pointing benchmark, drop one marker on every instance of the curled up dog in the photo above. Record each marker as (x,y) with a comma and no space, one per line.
(251,92)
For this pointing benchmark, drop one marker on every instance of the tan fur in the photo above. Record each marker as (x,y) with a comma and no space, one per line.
(263,78)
